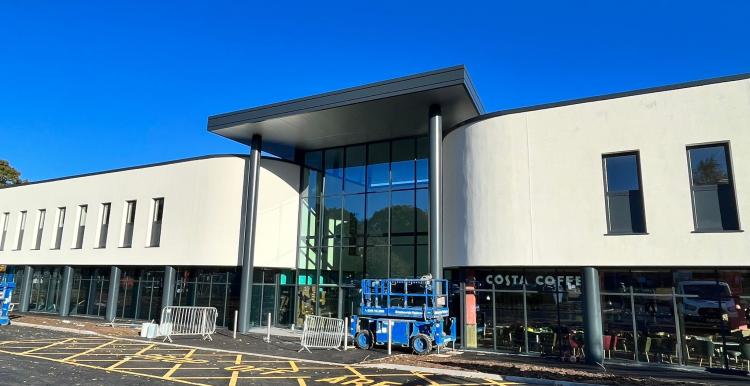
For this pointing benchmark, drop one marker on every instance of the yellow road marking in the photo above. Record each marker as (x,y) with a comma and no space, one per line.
(128,358)
(101,368)
(301,382)
(235,373)
(423,376)
(48,346)
(177,366)
(90,350)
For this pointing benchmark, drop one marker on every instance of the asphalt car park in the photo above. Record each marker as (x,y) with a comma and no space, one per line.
(78,359)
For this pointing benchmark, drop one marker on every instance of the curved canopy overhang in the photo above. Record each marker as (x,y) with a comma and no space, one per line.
(378,111)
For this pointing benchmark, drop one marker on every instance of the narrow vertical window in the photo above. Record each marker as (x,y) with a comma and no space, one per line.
(21,229)
(60,227)
(127,237)
(158,213)
(624,196)
(6,219)
(80,230)
(41,215)
(712,188)
(104,225)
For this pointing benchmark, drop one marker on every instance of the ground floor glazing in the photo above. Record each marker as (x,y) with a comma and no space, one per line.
(685,316)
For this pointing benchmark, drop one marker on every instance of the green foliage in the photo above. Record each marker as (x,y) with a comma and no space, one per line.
(9,175)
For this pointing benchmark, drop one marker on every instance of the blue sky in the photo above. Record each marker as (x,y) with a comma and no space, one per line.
(92,86)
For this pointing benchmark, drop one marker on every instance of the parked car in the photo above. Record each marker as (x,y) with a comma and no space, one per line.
(710,303)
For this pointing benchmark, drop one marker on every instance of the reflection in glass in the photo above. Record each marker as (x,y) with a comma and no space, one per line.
(378,157)
(354,173)
(333,182)
(402,164)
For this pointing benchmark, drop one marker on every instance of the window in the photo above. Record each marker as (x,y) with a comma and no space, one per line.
(103,225)
(40,217)
(21,228)
(6,219)
(712,188)
(623,193)
(60,226)
(158,213)
(127,237)
(82,210)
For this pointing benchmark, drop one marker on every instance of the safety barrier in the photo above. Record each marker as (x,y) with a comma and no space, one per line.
(184,320)
(322,332)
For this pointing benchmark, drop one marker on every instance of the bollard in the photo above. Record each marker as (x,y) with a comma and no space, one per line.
(346,333)
(390,328)
(234,334)
(268,329)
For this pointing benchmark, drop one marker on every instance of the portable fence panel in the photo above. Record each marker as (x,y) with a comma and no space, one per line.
(322,332)
(184,320)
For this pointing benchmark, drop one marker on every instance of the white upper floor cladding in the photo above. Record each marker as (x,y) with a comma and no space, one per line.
(200,221)
(527,187)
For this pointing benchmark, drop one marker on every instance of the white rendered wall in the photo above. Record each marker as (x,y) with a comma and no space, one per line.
(527,188)
(201,223)
(278,211)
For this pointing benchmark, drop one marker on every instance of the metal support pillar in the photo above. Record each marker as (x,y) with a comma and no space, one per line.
(167,294)
(252,175)
(436,190)
(114,292)
(592,317)
(28,277)
(67,288)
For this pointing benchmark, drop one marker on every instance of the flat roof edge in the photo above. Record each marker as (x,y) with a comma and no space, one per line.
(603,97)
(450,76)
(124,169)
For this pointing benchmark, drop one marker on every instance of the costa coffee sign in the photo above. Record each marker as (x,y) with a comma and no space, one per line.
(562,281)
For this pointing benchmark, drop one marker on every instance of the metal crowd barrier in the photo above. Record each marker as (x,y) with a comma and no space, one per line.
(184,320)
(322,332)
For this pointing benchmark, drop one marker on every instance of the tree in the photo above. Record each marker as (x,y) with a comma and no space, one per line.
(709,172)
(9,175)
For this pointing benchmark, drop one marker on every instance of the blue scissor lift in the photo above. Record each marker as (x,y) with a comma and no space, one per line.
(418,309)
(7,285)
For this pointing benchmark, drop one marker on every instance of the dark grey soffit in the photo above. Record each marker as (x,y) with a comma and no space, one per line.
(624,94)
(377,111)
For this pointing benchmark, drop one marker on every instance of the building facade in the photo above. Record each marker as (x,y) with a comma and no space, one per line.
(610,226)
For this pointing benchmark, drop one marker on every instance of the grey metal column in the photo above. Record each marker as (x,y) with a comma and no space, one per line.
(436,190)
(28,277)
(592,317)
(248,252)
(67,288)
(114,292)
(167,293)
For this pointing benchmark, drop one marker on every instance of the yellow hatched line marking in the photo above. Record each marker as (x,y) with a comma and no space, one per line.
(90,350)
(177,366)
(494,382)
(424,376)
(48,346)
(235,374)
(301,382)
(127,358)
(104,368)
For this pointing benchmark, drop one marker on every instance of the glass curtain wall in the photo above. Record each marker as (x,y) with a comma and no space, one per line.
(210,287)
(364,214)
(139,297)
(89,291)
(695,317)
(45,289)
(526,311)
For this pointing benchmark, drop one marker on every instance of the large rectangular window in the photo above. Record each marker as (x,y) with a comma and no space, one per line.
(21,229)
(60,226)
(623,193)
(40,217)
(80,230)
(104,225)
(157,214)
(6,220)
(127,236)
(712,188)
